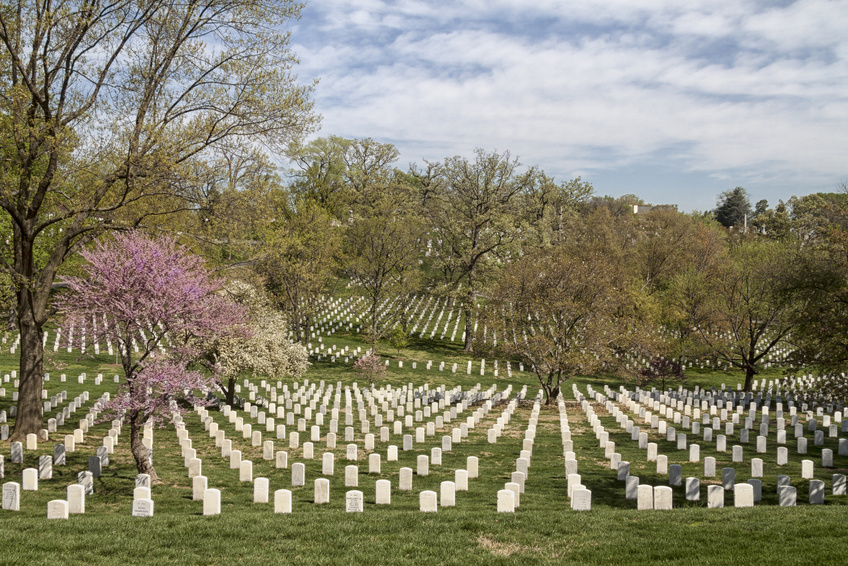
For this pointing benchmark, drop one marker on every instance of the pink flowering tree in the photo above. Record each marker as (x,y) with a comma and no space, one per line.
(157,304)
(371,367)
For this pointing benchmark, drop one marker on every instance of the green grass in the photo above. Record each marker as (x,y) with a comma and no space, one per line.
(543,531)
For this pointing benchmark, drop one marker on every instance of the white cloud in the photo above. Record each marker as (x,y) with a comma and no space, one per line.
(725,86)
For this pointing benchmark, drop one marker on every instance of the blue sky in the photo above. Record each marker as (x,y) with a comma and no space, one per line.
(675,101)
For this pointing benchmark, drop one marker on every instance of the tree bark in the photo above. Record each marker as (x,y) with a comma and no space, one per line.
(469,330)
(750,372)
(139,450)
(30,419)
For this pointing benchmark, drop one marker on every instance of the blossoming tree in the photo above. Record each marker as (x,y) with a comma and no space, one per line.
(156,302)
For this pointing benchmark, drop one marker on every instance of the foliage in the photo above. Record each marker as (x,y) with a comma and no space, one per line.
(660,371)
(156,303)
(733,208)
(556,310)
(298,260)
(742,308)
(473,209)
(267,350)
(371,367)
(106,113)
(399,339)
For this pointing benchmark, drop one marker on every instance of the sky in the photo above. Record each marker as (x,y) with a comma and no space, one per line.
(675,101)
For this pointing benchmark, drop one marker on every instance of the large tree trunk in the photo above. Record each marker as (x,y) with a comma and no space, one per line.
(139,450)
(550,387)
(30,419)
(750,372)
(469,330)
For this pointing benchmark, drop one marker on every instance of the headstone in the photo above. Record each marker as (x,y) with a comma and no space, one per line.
(17,453)
(212,502)
(298,474)
(76,499)
(506,501)
(728,478)
(447,494)
(351,476)
(383,492)
(693,489)
(816,492)
(675,475)
(11,497)
(199,485)
(57,509)
(30,479)
(142,508)
(743,495)
(353,501)
(644,497)
(282,501)
(45,467)
(756,467)
(839,484)
(715,497)
(581,500)
(787,496)
(427,502)
(405,479)
(59,457)
(662,497)
(807,469)
(86,479)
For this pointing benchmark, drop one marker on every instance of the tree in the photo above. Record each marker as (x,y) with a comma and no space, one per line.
(820,275)
(558,310)
(371,367)
(381,257)
(733,208)
(267,350)
(156,302)
(106,108)
(474,212)
(661,371)
(299,257)
(550,207)
(742,308)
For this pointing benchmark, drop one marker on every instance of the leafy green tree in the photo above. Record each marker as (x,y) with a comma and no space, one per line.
(474,212)
(742,308)
(106,109)
(298,262)
(733,208)
(556,310)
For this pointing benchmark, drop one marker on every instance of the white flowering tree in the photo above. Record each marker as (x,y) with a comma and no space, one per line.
(268,351)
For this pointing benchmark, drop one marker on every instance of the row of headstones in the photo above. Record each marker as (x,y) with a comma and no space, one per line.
(76,493)
(76,496)
(351,472)
(315,429)
(328,459)
(308,449)
(211,498)
(694,449)
(579,495)
(744,494)
(724,402)
(429,501)
(509,498)
(693,484)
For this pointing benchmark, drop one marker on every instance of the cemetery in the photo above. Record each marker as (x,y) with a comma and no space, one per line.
(444,460)
(229,337)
